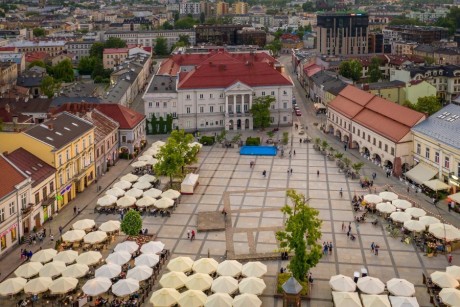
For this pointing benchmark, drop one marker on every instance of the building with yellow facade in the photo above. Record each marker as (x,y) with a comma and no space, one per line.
(240,8)
(65,142)
(221,8)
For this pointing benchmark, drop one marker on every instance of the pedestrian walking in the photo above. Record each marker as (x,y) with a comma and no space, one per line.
(348,233)
(288,172)
(310,279)
(193,235)
(449,259)
(376,249)
(372,246)
(330,248)
(60,230)
(317,173)
(343,226)
(291,171)
(188,233)
(349,227)
(341,192)
(408,189)
(44,232)
(264,173)
(300,140)
(294,153)
(78,211)
(345,147)
(74,210)
(22,254)
(51,237)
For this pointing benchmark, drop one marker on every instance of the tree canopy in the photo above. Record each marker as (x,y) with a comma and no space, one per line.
(63,71)
(161,46)
(261,111)
(301,234)
(351,69)
(375,74)
(185,23)
(131,223)
(427,104)
(49,86)
(38,63)
(39,32)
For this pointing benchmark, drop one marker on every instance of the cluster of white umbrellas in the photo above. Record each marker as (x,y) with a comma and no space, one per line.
(223,286)
(372,289)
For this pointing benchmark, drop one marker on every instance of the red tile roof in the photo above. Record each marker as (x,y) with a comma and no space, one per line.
(115,50)
(383,117)
(8,49)
(9,181)
(36,56)
(104,124)
(31,165)
(127,118)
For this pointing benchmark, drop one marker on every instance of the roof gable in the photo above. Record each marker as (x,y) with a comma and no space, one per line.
(127,118)
(238,86)
(356,95)
(14,177)
(31,165)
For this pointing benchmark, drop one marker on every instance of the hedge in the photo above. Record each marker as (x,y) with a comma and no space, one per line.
(207,140)
(253,141)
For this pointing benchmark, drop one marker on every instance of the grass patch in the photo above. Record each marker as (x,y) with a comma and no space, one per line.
(283,277)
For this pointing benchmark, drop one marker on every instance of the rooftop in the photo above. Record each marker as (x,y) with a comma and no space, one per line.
(104,124)
(443,126)
(162,84)
(115,50)
(31,165)
(126,118)
(14,177)
(22,44)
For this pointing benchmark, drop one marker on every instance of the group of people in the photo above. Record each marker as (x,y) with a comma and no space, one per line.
(191,234)
(25,254)
(375,248)
(327,248)
(36,236)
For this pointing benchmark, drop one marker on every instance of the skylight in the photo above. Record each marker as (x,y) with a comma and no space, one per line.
(58,133)
(75,124)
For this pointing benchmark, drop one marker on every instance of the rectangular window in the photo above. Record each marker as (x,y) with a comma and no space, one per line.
(221,95)
(201,96)
(157,104)
(67,155)
(76,149)
(188,124)
(263,93)
(174,104)
(284,105)
(374,142)
(84,144)
(364,135)
(165,104)
(37,198)
(436,157)
(2,215)
(13,234)
(446,162)
(392,151)
(23,200)
(273,93)
(12,208)
(211,109)
(150,104)
(221,122)
(60,160)
(419,149)
(51,186)
(380,144)
(359,132)
(221,108)
(201,109)
(386,147)
(187,97)
(188,110)
(123,138)
(458,169)
(44,192)
(211,96)
(353,130)
(427,153)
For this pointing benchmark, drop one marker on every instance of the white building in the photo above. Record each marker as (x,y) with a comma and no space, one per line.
(216,90)
(193,8)
(148,38)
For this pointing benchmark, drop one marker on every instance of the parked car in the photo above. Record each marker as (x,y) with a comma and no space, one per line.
(298,113)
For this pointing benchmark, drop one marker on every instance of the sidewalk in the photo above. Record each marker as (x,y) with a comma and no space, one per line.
(86,201)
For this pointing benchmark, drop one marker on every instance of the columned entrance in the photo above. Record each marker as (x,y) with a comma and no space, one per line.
(237,111)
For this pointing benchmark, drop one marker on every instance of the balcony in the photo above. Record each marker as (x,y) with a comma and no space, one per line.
(27,209)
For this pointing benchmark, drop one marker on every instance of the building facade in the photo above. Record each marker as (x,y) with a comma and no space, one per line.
(112,57)
(419,34)
(52,48)
(217,34)
(148,38)
(193,8)
(79,49)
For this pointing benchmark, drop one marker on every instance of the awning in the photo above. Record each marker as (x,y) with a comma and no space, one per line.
(421,173)
(455,197)
(319,106)
(436,185)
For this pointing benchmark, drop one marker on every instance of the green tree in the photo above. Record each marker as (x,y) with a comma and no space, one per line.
(183,141)
(115,42)
(375,74)
(274,47)
(308,7)
(185,23)
(261,111)
(169,122)
(63,71)
(131,223)
(39,32)
(161,46)
(301,234)
(428,104)
(357,167)
(324,145)
(161,125)
(154,124)
(86,65)
(38,63)
(49,86)
(429,60)
(346,161)
(97,50)
(351,69)
(167,26)
(221,136)
(184,39)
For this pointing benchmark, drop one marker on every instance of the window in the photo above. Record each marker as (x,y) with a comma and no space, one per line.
(60,160)
(284,93)
(150,104)
(2,215)
(201,96)
(392,151)
(90,140)
(174,104)
(165,104)
(211,96)
(419,149)
(221,122)
(364,135)
(45,193)
(221,95)
(221,108)
(211,109)
(76,149)
(436,157)
(67,172)
(427,153)
(374,142)
(13,234)
(263,93)
(23,200)
(386,148)
(84,144)
(187,110)
(369,138)
(458,169)
(380,144)
(446,162)
(273,93)
(123,138)
(353,130)
(188,124)
(187,97)
(284,105)
(201,109)
(12,207)
(359,132)
(37,198)
(67,155)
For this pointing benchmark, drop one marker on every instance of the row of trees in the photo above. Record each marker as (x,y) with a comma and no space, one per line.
(352,69)
(342,161)
(159,126)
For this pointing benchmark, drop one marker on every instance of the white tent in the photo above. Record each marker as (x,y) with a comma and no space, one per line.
(154,193)
(97,286)
(117,192)
(123,184)
(136,193)
(189,183)
(130,178)
(401,301)
(147,177)
(107,200)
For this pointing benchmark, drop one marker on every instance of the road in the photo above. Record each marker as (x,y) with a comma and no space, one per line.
(309,117)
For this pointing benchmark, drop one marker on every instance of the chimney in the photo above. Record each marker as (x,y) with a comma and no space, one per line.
(7,108)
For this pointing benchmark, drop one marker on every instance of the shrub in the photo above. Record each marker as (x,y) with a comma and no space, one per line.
(132,223)
(285,138)
(253,141)
(207,140)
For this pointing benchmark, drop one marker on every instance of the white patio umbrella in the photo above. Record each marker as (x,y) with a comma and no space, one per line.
(416,212)
(84,224)
(450,296)
(385,208)
(76,270)
(400,287)
(414,225)
(252,285)
(148,160)
(158,144)
(126,201)
(95,237)
(43,256)
(400,216)
(390,196)
(125,287)
(97,286)
(143,185)
(89,258)
(128,246)
(38,285)
(401,301)
(67,256)
(164,203)
(370,285)
(109,270)
(219,300)
(342,283)
(246,299)
(12,286)
(140,272)
(174,280)
(198,281)
(444,280)
(229,268)
(136,193)
(205,265)
(152,247)
(147,178)
(52,269)
(164,297)
(454,270)
(224,284)
(254,269)
(373,300)
(122,184)
(107,200)
(180,264)
(139,163)
(444,231)
(119,258)
(73,236)
(192,298)
(145,201)
(402,204)
(173,194)
(117,192)
(130,177)
(149,260)
(428,220)
(154,193)
(372,199)
(346,299)
(63,285)
(28,270)
(110,226)
(150,153)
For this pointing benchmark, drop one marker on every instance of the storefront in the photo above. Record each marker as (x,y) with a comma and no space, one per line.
(8,238)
